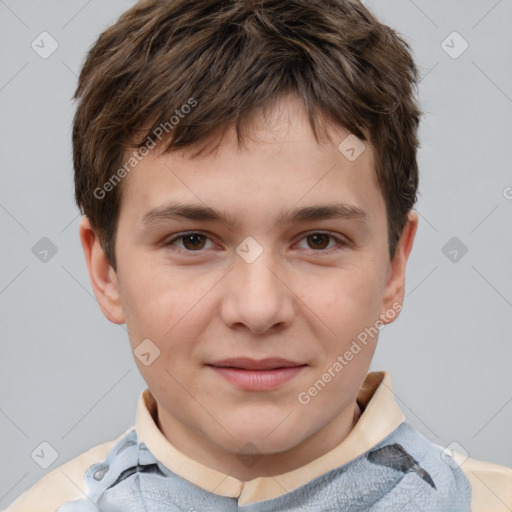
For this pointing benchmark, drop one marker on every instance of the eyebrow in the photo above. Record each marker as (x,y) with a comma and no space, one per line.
(172,211)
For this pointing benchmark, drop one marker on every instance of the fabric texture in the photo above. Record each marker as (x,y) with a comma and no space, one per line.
(404,472)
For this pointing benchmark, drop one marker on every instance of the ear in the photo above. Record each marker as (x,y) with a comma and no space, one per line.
(102,275)
(395,286)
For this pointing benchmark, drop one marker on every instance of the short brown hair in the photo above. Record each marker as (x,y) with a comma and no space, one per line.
(233,57)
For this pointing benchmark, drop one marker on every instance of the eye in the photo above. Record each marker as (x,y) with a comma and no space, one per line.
(319,242)
(192,241)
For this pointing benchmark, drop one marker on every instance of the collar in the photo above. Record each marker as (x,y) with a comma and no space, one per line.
(380,417)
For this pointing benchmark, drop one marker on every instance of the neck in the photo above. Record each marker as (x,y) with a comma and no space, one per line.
(250,466)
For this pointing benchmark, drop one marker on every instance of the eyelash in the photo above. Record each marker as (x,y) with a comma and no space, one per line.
(340,243)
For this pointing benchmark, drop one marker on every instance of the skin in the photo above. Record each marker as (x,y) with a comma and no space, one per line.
(304,298)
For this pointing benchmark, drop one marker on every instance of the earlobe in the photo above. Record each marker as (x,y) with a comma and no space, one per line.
(395,286)
(103,277)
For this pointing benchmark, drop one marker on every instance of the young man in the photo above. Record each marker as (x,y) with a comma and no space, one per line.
(247,172)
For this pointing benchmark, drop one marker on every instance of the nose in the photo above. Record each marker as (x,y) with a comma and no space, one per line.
(258,296)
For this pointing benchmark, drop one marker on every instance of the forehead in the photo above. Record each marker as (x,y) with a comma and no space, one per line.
(280,166)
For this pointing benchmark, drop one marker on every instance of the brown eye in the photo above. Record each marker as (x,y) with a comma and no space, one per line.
(319,241)
(193,242)
(190,242)
(323,243)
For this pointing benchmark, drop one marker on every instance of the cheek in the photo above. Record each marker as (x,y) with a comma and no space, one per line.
(148,301)
(164,305)
(347,299)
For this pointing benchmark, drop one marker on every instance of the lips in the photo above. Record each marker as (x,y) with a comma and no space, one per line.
(245,363)
(257,374)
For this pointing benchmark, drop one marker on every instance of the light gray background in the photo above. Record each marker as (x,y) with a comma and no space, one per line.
(68,376)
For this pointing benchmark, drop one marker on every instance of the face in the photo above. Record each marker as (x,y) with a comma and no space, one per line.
(274,276)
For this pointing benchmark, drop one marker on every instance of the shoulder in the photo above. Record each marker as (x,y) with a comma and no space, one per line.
(64,483)
(488,486)
(491,484)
